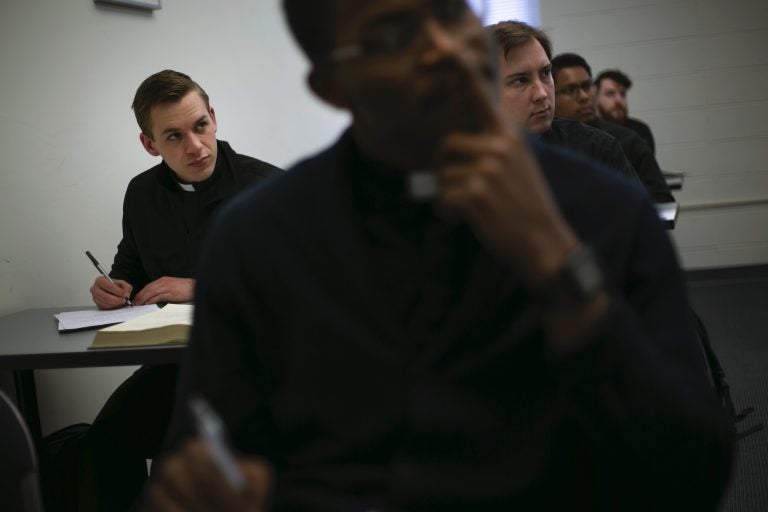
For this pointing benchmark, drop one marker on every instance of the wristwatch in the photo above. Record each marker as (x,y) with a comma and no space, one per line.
(578,281)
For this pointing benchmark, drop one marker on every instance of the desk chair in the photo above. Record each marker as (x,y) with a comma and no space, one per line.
(19,473)
(719,382)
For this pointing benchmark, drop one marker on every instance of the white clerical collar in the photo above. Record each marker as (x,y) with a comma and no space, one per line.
(187,187)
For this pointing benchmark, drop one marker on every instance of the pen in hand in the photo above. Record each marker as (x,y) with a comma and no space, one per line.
(101,271)
(211,431)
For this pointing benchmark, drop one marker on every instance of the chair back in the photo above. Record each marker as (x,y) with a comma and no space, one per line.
(19,471)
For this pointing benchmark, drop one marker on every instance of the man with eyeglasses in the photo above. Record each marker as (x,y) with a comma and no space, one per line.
(528,96)
(575,99)
(431,315)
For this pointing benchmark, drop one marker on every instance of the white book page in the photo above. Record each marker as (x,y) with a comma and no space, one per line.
(171,314)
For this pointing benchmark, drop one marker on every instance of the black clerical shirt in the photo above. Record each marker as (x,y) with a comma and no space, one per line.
(591,142)
(420,259)
(641,157)
(164,226)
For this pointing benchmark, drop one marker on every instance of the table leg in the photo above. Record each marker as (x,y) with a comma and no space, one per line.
(26,401)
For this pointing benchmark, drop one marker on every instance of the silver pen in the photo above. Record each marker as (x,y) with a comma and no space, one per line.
(101,271)
(211,430)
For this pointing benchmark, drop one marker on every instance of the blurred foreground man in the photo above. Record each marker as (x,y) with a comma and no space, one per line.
(489,344)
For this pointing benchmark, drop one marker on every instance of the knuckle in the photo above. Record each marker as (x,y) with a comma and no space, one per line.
(477,189)
(490,170)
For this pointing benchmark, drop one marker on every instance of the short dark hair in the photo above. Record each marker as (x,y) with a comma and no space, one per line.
(166,86)
(312,22)
(615,75)
(569,60)
(513,33)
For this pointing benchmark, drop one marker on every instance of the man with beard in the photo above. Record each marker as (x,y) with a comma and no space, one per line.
(575,99)
(494,345)
(612,86)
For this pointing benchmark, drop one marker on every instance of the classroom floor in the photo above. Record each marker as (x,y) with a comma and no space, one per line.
(733,305)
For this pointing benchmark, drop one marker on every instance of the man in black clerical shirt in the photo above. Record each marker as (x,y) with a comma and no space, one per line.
(528,96)
(166,214)
(575,99)
(612,86)
(434,314)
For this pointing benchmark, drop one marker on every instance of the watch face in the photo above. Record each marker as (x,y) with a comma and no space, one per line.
(588,273)
(578,281)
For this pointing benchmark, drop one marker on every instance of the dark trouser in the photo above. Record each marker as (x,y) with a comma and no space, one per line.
(128,430)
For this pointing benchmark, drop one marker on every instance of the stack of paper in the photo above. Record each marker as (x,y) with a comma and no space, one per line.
(73,320)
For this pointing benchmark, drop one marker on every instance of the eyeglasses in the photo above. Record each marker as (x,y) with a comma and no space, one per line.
(394,34)
(573,89)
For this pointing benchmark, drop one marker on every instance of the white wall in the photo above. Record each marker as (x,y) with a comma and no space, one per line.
(700,70)
(69,141)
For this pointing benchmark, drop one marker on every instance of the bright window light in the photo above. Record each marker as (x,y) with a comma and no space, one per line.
(503,10)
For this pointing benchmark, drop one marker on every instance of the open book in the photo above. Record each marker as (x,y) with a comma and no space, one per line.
(169,325)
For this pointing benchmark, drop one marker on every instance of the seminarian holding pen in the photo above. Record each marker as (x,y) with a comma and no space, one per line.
(166,214)
(500,346)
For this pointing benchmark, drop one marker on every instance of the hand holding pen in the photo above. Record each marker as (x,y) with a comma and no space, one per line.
(210,428)
(106,292)
(204,474)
